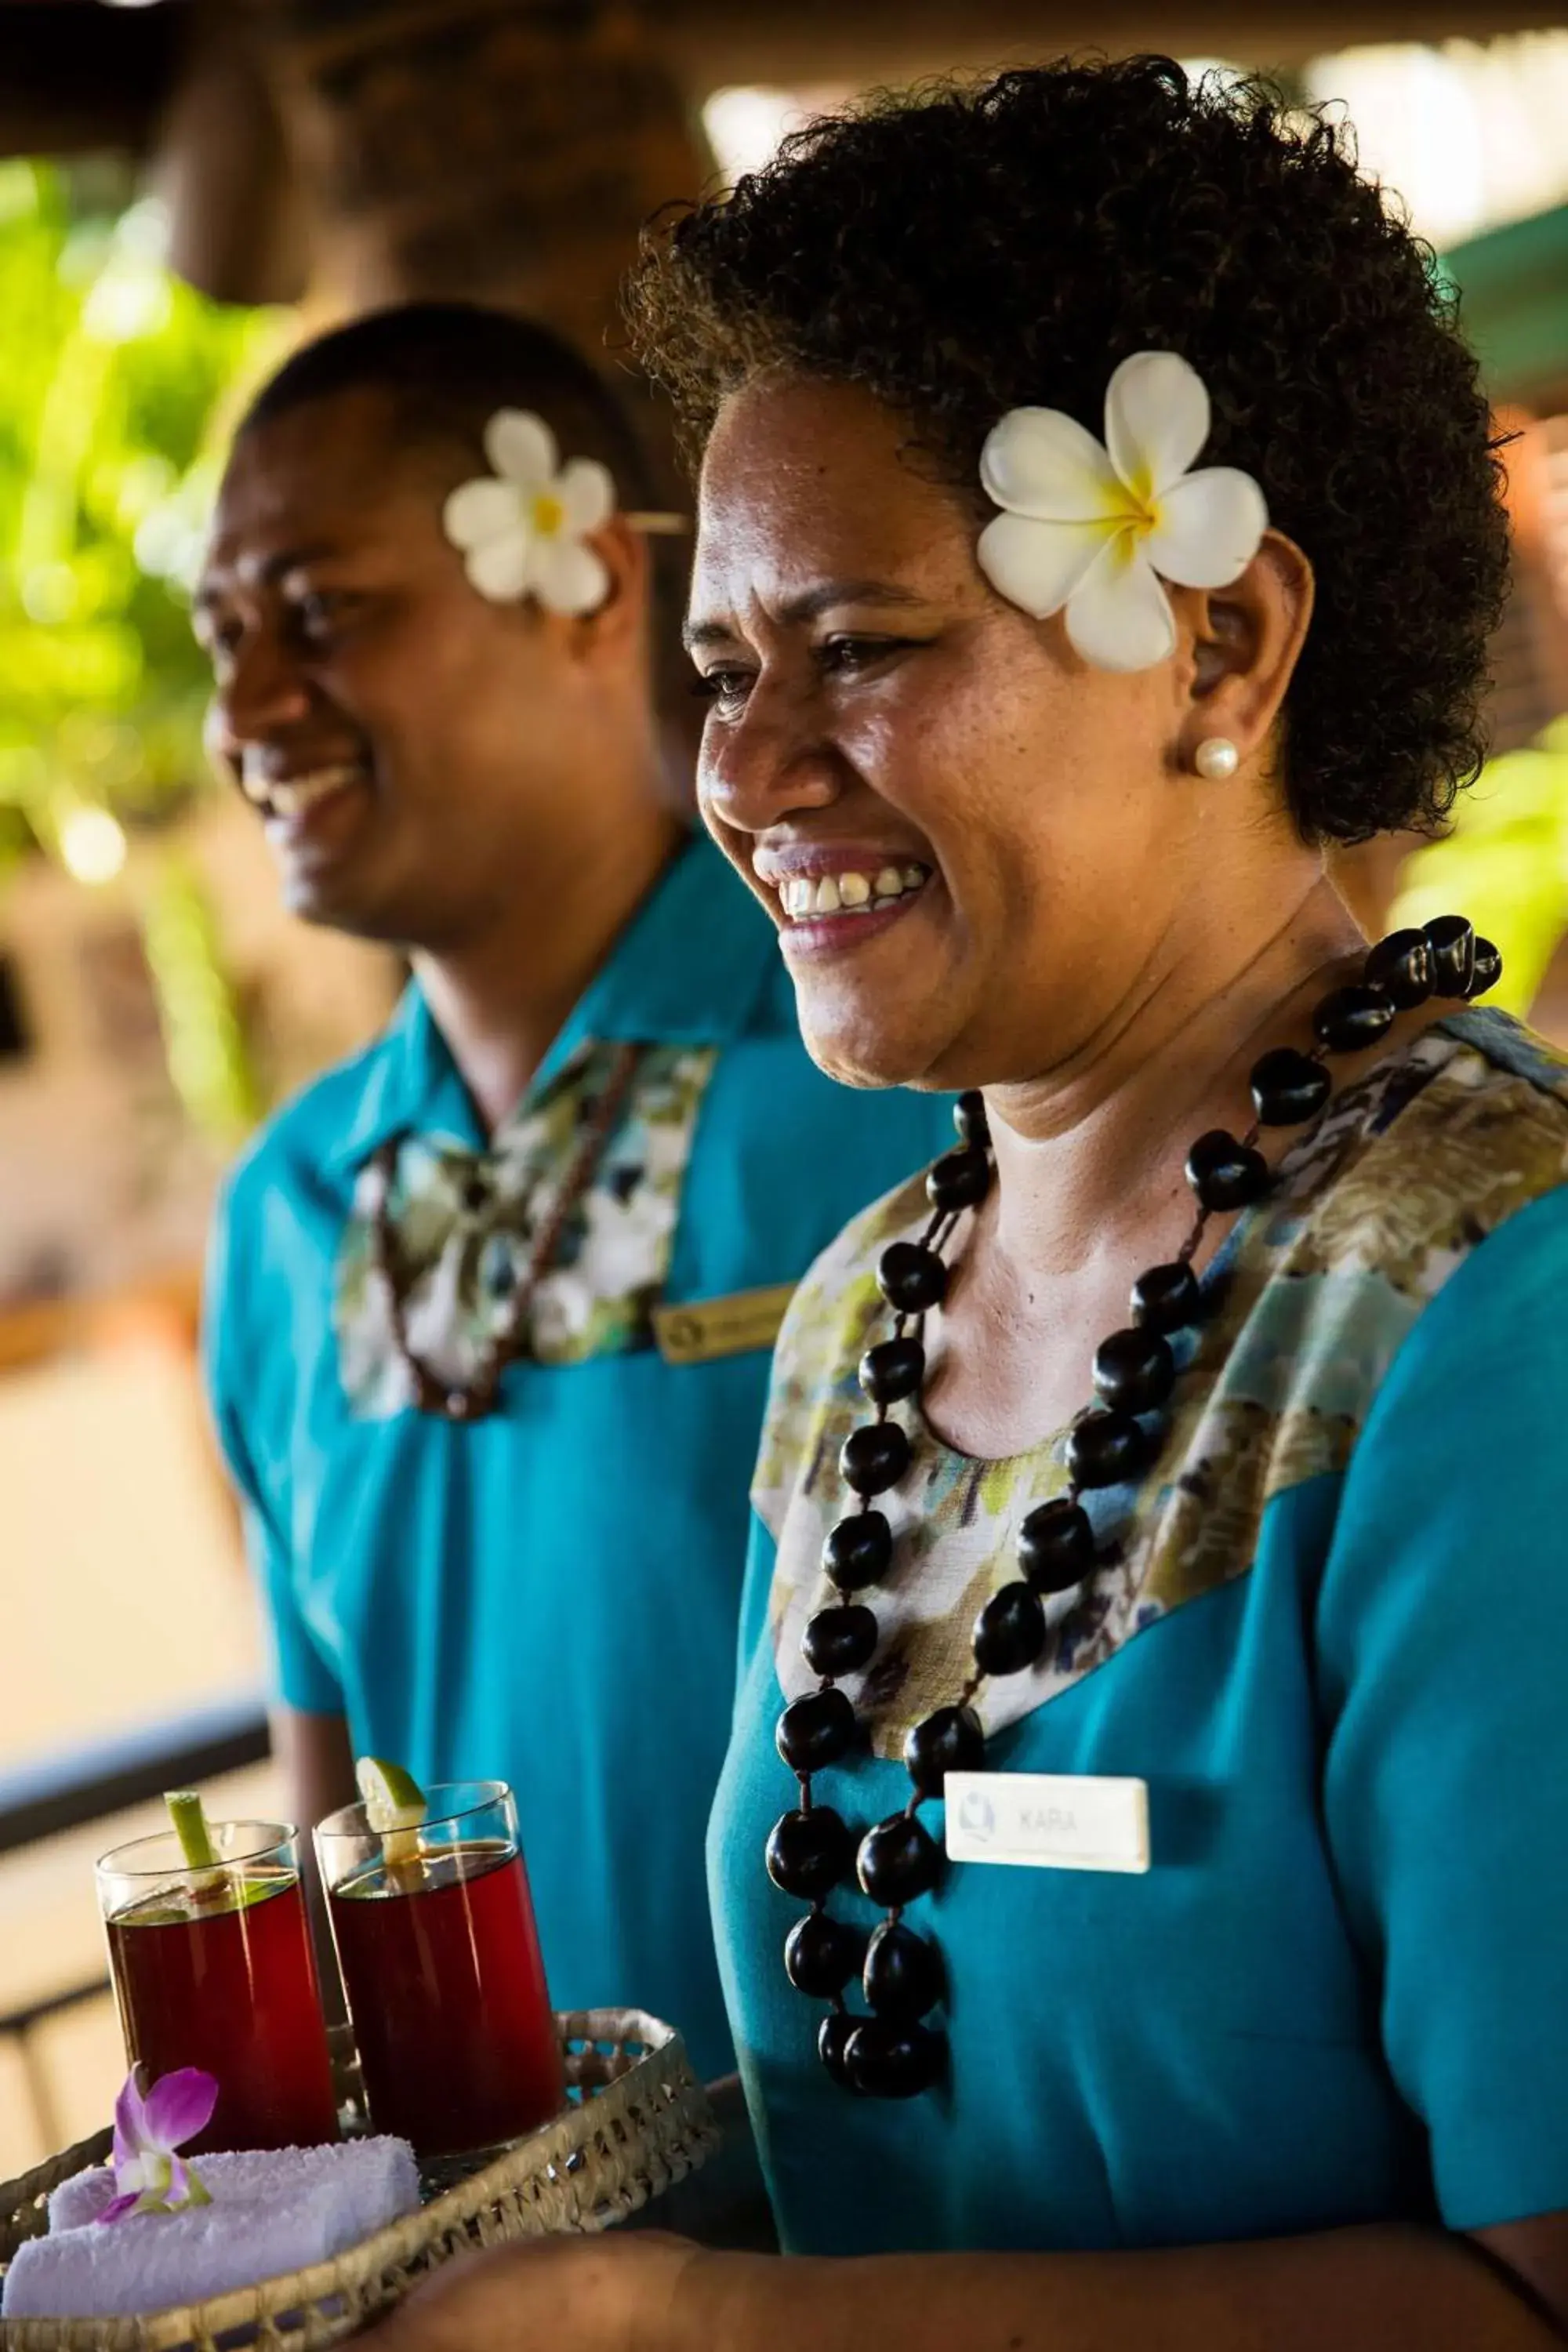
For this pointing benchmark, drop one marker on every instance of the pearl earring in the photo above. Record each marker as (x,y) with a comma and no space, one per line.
(1216,756)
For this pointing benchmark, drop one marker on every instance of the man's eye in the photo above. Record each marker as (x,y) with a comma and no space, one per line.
(216,638)
(319,610)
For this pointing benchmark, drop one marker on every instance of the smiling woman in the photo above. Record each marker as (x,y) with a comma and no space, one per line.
(901,680)
(1135,1869)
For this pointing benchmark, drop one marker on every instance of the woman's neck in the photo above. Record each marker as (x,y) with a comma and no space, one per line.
(1091,1149)
(1090,1162)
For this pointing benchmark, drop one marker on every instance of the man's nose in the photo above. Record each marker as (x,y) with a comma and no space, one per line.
(259,693)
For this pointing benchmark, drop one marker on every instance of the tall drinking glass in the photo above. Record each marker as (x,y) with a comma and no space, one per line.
(440,1960)
(213,1967)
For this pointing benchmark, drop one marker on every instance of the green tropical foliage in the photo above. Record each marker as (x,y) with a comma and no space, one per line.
(117,382)
(1505,863)
(117,378)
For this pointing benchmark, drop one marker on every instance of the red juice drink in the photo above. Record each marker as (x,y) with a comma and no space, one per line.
(214,1969)
(445,1986)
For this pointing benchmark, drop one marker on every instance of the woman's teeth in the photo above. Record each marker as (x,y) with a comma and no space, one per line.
(806,897)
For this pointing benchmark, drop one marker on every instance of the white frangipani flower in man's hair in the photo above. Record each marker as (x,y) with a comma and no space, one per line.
(1095,528)
(523,531)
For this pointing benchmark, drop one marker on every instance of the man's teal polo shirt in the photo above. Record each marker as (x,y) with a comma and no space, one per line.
(550,1596)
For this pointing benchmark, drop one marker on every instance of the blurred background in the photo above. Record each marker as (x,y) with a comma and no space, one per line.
(187,187)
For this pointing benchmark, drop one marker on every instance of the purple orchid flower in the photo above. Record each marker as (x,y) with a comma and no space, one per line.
(149,2127)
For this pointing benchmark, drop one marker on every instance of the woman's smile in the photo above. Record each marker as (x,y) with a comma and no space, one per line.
(830,901)
(968,790)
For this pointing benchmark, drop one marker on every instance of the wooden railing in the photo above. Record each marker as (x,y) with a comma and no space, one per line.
(83,1785)
(45,1328)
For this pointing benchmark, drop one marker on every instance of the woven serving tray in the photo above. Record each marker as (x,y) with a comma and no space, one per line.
(639,2122)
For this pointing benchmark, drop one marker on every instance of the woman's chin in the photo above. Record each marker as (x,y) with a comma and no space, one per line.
(871,1053)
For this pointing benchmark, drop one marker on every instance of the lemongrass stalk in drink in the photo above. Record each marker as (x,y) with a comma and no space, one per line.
(436,1939)
(209,1949)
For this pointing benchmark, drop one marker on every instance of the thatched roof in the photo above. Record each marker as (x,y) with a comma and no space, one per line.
(82,73)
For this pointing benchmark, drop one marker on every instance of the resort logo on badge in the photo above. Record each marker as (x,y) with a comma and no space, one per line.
(976,1814)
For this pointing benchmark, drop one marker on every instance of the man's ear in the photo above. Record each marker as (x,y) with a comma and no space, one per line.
(1245,642)
(622,619)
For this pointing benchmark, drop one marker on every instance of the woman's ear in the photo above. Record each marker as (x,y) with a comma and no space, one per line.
(1246,642)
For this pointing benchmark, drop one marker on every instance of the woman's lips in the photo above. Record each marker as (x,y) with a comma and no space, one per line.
(834,895)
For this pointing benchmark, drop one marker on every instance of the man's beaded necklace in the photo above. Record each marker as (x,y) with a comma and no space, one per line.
(478,1398)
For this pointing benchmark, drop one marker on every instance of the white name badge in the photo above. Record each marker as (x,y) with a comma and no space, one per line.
(1047,1820)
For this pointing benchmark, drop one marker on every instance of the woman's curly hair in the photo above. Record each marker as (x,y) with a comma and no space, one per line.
(972,249)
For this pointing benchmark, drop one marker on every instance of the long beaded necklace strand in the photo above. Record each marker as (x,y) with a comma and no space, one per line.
(892,2054)
(475,1398)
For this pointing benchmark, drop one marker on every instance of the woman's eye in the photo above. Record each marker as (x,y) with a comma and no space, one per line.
(849,657)
(727,689)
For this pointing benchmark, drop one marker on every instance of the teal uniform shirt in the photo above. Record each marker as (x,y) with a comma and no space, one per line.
(548,1596)
(1329,1631)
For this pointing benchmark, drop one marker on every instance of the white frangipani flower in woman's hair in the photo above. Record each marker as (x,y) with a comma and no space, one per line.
(1096,529)
(523,531)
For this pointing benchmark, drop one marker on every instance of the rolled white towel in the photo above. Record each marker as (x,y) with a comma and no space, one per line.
(378,2177)
(273,2210)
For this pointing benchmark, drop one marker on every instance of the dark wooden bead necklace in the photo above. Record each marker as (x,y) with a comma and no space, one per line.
(893,2051)
(475,1398)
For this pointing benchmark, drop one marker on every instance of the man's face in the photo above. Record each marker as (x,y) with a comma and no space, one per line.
(410,747)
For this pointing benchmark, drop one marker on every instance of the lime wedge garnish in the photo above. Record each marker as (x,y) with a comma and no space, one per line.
(393,1798)
(189,1824)
(394,1806)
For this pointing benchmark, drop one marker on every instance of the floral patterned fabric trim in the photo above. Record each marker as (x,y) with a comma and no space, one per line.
(1313,1293)
(464,1221)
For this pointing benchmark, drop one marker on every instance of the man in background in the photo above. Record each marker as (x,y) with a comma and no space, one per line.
(491,1306)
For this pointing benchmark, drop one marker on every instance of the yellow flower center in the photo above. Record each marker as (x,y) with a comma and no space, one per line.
(549,514)
(1141,509)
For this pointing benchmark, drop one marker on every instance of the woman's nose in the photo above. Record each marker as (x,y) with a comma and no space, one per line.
(757,771)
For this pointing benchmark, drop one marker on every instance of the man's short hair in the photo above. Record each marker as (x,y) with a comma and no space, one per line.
(446,367)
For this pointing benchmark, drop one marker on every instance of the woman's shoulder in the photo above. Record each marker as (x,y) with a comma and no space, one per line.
(827,1329)
(1379,1214)
(1511,1048)
(1410,1171)
(1414,1165)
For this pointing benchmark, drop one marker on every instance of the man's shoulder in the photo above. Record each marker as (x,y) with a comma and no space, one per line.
(292,1147)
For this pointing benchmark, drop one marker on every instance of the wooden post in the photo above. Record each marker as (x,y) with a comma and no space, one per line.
(504,150)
